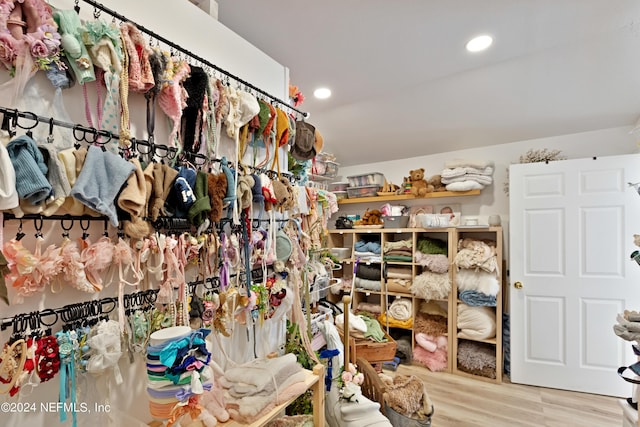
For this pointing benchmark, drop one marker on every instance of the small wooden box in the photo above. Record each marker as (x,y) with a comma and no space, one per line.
(373,352)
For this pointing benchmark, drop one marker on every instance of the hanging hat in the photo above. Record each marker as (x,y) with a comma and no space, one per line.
(217,188)
(256,190)
(245,184)
(8,193)
(57,177)
(30,170)
(230,195)
(162,183)
(248,107)
(267,192)
(100,180)
(196,87)
(173,98)
(182,195)
(200,209)
(73,46)
(319,142)
(140,75)
(303,147)
(282,128)
(68,159)
(133,201)
(283,246)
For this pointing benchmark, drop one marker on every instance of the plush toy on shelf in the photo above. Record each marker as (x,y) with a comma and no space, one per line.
(419,185)
(371,217)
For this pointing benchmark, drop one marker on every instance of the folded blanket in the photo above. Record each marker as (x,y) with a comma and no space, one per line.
(481,179)
(427,245)
(435,361)
(476,253)
(476,323)
(477,280)
(398,258)
(259,375)
(466,185)
(364,246)
(460,171)
(432,307)
(366,255)
(436,263)
(394,284)
(476,299)
(370,285)
(356,323)
(457,163)
(369,272)
(399,252)
(250,408)
(477,358)
(369,307)
(430,324)
(395,323)
(401,309)
(399,272)
(428,285)
(400,244)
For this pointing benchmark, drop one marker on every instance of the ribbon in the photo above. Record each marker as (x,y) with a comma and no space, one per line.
(191,407)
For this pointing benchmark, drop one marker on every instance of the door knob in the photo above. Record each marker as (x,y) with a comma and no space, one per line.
(517,285)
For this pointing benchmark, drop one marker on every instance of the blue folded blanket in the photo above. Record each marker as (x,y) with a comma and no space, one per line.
(475,298)
(364,246)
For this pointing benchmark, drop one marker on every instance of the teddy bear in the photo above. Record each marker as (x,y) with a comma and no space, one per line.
(419,185)
(436,181)
(370,217)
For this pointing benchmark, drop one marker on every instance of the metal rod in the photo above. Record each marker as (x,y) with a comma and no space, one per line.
(192,55)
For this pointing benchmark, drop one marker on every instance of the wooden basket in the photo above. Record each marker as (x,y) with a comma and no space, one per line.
(373,352)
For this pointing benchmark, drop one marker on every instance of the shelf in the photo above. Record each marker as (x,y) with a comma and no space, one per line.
(395,197)
(486,341)
(367,291)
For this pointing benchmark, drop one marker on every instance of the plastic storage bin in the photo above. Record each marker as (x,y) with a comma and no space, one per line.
(375,178)
(325,168)
(364,191)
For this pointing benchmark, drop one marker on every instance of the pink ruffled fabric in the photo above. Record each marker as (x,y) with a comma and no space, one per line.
(73,268)
(30,273)
(96,257)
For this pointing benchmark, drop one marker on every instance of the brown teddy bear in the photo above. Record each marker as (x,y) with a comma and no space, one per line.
(419,185)
(436,181)
(370,217)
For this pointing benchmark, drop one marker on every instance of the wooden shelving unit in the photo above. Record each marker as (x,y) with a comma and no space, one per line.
(396,197)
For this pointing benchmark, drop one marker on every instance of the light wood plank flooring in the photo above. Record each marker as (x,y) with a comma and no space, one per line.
(466,402)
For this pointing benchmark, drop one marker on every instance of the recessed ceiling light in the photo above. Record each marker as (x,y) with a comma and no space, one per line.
(479,43)
(322,93)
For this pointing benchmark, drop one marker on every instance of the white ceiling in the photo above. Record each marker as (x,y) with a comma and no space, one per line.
(403,84)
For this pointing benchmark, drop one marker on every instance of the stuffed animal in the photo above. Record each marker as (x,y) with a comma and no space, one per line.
(371,217)
(284,193)
(436,181)
(419,185)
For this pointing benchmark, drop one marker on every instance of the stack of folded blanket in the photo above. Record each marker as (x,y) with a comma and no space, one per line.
(465,175)
(400,251)
(368,276)
(367,249)
(477,277)
(399,314)
(252,389)
(434,282)
(362,326)
(399,278)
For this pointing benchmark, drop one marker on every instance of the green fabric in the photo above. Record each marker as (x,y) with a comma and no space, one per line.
(374,330)
(397,258)
(427,245)
(199,211)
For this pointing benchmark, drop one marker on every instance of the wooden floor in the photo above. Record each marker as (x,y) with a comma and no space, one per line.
(460,401)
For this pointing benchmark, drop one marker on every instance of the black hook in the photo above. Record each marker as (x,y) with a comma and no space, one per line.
(106,228)
(77,7)
(20,234)
(50,136)
(37,224)
(65,230)
(84,228)
(27,115)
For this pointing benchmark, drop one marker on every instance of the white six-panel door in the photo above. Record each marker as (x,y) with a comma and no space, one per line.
(571,234)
